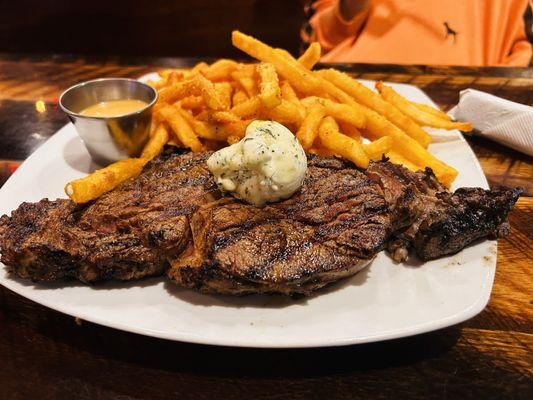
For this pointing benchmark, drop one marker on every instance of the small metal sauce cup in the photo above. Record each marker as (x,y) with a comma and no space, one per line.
(109,139)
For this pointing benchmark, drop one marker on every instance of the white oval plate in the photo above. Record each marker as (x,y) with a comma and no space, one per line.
(384,301)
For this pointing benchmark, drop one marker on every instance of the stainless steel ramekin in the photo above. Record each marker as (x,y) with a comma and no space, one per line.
(109,139)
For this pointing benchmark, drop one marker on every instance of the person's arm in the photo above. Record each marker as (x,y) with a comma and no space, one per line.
(336,20)
(350,8)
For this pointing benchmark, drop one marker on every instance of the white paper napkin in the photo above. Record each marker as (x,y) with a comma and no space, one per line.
(501,120)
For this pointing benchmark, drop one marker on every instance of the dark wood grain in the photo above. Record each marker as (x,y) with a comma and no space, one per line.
(139,27)
(45,354)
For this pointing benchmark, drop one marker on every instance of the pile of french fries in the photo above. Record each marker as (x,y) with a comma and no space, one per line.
(208,107)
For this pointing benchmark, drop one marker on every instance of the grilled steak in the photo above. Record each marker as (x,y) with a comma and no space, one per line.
(330,229)
(128,233)
(434,221)
(173,218)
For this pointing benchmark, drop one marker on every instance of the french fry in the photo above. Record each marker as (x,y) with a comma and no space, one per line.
(200,67)
(423,118)
(408,147)
(237,129)
(173,141)
(373,101)
(396,158)
(309,128)
(220,70)
(286,113)
(224,91)
(246,81)
(428,109)
(376,149)
(191,102)
(341,112)
(181,128)
(233,139)
(224,117)
(174,92)
(295,73)
(103,180)
(288,93)
(269,90)
(239,96)
(202,129)
(351,131)
(247,109)
(156,142)
(340,144)
(165,74)
(311,55)
(321,151)
(202,86)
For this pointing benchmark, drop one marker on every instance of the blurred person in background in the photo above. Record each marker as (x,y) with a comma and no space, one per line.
(445,32)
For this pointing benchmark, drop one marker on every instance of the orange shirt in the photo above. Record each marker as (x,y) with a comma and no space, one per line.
(487,32)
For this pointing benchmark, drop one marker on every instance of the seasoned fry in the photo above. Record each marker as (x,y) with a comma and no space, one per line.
(247,109)
(311,56)
(190,102)
(309,128)
(224,117)
(200,85)
(341,112)
(423,118)
(286,112)
(202,129)
(246,81)
(237,129)
(154,146)
(295,73)
(373,101)
(239,96)
(174,92)
(181,128)
(376,149)
(269,90)
(350,130)
(220,70)
(288,93)
(200,67)
(397,158)
(232,139)
(224,91)
(408,147)
(340,144)
(103,180)
(428,109)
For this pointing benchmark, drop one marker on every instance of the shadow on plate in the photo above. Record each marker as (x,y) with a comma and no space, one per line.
(76,156)
(261,301)
(109,285)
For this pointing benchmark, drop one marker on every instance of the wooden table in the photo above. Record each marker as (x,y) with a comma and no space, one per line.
(47,355)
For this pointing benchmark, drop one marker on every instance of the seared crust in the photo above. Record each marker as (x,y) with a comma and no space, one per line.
(330,229)
(173,214)
(434,221)
(128,233)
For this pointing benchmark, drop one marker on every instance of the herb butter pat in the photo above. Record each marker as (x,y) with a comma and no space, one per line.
(267,165)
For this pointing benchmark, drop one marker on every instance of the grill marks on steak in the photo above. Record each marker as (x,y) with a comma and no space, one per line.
(434,221)
(330,229)
(128,233)
(173,214)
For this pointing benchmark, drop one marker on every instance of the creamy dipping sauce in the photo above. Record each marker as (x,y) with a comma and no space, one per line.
(267,165)
(113,108)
